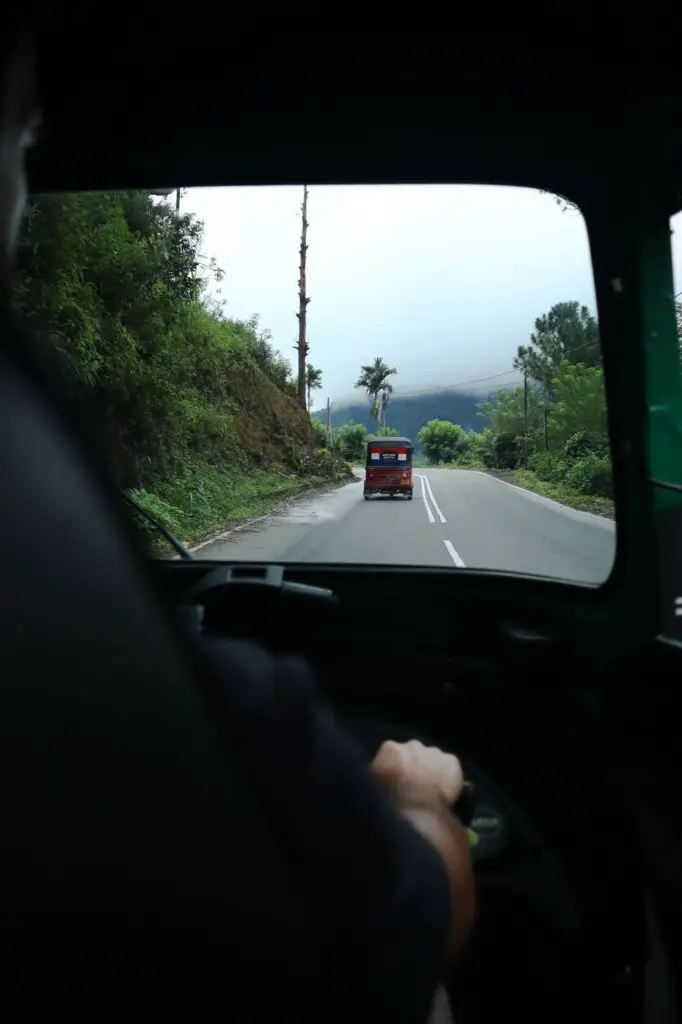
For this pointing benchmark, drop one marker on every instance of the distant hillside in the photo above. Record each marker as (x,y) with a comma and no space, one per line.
(408,414)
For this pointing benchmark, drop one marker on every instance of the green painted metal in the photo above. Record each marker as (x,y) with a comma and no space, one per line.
(662,362)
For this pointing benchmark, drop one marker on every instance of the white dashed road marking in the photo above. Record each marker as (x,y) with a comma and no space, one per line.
(459,562)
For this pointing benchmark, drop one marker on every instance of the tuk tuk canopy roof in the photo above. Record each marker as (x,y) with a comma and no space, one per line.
(390,442)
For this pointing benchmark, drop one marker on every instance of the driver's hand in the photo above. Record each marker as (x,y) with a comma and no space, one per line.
(425,784)
(417,775)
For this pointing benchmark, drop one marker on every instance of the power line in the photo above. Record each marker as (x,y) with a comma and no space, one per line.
(425,389)
(460,385)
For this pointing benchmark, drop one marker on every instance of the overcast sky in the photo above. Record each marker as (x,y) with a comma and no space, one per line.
(443,282)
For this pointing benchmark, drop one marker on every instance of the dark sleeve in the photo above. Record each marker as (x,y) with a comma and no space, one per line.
(375,888)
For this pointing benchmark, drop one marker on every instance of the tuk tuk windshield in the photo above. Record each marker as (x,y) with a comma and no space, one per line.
(450,411)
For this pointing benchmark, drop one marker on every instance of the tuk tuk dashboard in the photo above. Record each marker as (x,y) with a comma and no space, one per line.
(472,679)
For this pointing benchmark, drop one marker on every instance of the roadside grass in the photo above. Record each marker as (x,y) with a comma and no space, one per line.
(559,492)
(206,502)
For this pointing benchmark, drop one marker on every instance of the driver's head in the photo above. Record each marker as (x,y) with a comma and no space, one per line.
(19,117)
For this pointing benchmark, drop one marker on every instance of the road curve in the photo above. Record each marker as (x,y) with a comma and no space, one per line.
(458,518)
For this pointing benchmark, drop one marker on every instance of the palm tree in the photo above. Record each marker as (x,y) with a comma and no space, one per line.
(384,396)
(313,381)
(374,380)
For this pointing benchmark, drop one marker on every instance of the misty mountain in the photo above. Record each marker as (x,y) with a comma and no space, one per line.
(408,414)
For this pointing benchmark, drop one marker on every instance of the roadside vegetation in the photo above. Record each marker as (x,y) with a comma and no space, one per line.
(549,435)
(203,421)
(200,416)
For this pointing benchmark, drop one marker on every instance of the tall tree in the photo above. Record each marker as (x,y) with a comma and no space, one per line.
(515,412)
(313,382)
(352,438)
(384,396)
(303,301)
(439,440)
(580,403)
(374,380)
(567,332)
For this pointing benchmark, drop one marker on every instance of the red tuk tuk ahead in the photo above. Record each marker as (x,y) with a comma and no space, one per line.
(389,467)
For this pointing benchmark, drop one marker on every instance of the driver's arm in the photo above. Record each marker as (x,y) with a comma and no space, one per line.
(391,892)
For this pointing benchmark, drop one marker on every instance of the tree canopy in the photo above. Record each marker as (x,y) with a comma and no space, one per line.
(117,281)
(555,424)
(567,332)
(313,382)
(374,380)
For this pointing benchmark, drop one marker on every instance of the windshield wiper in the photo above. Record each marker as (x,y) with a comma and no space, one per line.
(174,543)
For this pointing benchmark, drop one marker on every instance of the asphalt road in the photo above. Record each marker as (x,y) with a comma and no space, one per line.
(458,518)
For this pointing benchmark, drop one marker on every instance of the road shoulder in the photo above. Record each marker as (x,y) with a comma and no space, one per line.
(582,506)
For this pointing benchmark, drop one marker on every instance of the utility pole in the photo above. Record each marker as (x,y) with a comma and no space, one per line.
(178,192)
(303,301)
(545,414)
(525,420)
(329,424)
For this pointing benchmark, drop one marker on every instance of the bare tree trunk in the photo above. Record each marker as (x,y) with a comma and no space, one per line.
(303,301)
(544,414)
(525,420)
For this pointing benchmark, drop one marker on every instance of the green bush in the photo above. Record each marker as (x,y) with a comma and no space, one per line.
(325,463)
(439,440)
(164,513)
(548,467)
(506,451)
(583,443)
(482,448)
(591,475)
(351,441)
(319,433)
(470,460)
(541,465)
